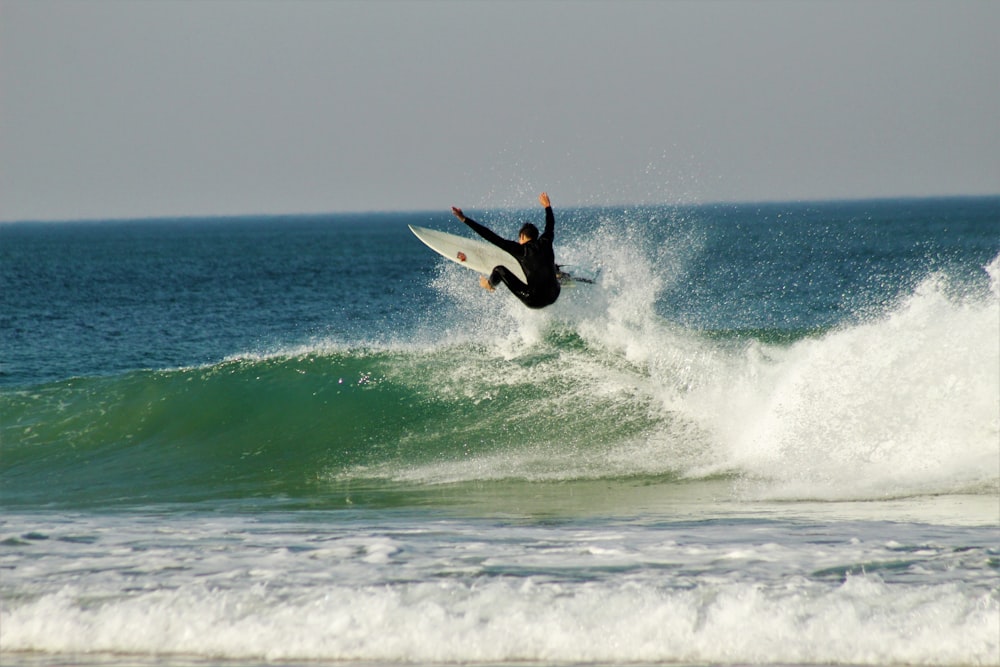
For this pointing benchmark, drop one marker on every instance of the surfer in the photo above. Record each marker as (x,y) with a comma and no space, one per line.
(532,251)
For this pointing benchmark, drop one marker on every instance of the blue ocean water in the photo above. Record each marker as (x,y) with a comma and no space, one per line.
(768,433)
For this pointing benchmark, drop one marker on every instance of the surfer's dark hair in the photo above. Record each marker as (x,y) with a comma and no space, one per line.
(529,230)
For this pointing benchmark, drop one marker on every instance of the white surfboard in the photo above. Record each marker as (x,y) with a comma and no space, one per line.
(474,254)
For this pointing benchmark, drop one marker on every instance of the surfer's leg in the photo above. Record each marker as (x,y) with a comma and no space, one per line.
(501,274)
(546,296)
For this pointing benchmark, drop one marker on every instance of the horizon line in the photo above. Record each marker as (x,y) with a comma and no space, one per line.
(444,210)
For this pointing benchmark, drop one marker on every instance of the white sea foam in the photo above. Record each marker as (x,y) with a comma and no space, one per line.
(454,592)
(861,622)
(904,404)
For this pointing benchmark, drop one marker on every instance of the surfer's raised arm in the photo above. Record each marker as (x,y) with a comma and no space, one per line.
(550,219)
(486,232)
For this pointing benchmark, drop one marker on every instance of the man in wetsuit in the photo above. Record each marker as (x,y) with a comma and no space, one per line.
(532,251)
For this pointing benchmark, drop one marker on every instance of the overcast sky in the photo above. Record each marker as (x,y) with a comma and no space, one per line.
(162,108)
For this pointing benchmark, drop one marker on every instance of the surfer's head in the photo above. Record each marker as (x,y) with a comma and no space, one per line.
(528,233)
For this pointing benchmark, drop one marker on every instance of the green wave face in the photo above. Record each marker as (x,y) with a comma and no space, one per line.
(304,425)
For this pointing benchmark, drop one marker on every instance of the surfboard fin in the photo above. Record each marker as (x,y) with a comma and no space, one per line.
(566,278)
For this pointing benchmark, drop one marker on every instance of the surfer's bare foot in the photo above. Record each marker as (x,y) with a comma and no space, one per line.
(485,282)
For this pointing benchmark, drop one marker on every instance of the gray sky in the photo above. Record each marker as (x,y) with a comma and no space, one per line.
(132,109)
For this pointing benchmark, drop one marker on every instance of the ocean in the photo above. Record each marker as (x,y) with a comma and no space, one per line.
(767,434)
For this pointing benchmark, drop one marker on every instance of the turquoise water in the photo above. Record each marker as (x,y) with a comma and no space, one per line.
(310,439)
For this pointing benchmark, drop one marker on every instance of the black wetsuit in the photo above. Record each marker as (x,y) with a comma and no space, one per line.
(535,257)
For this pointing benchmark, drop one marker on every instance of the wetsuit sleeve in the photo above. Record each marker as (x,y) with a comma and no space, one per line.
(550,225)
(513,247)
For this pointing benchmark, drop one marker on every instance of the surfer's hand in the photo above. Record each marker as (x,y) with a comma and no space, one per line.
(457,212)
(484,282)
(543,199)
